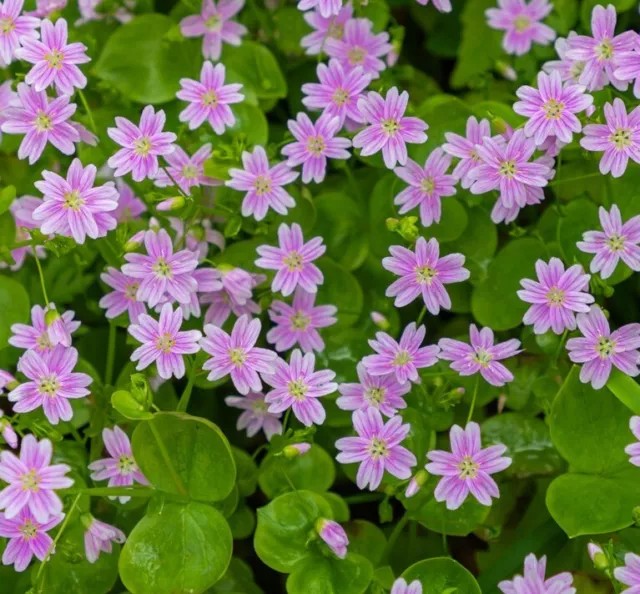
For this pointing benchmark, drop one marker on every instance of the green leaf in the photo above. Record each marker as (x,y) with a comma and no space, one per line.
(178,548)
(513,263)
(440,575)
(185,455)
(14,305)
(341,289)
(284,527)
(315,471)
(625,389)
(247,472)
(331,576)
(7,235)
(238,578)
(366,539)
(143,64)
(129,407)
(7,196)
(564,16)
(452,225)
(251,124)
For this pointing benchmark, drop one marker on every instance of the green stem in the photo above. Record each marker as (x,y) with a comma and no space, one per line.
(165,455)
(423,311)
(559,349)
(286,421)
(399,527)
(186,395)
(87,109)
(114,491)
(625,389)
(175,183)
(572,179)
(44,288)
(473,400)
(111,354)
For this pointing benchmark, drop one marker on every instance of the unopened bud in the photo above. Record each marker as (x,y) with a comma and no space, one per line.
(597,555)
(135,242)
(295,450)
(173,203)
(501,126)
(380,321)
(333,535)
(416,483)
(392,224)
(8,382)
(51,316)
(506,71)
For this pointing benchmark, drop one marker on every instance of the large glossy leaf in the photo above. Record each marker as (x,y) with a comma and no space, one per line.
(442,574)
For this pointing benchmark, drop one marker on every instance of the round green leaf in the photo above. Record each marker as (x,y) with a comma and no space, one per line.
(185,455)
(340,508)
(238,578)
(250,122)
(124,402)
(247,472)
(315,471)
(366,539)
(179,548)
(341,289)
(257,68)
(331,576)
(441,575)
(453,223)
(14,305)
(284,527)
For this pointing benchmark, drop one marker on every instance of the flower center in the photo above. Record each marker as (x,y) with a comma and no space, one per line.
(615,243)
(260,406)
(425,274)
(402,358)
(356,55)
(336,31)
(428,184)
(262,185)
(521,23)
(468,468)
(73,200)
(390,126)
(605,347)
(29,530)
(621,138)
(553,109)
(340,96)
(49,385)
(43,343)
(293,261)
(378,448)
(190,171)
(54,58)
(165,343)
(474,156)
(555,296)
(142,146)
(161,268)
(507,169)
(30,481)
(297,389)
(214,22)
(604,51)
(7,25)
(299,321)
(126,464)
(43,122)
(237,356)
(576,70)
(482,357)
(316,145)
(375,396)
(210,98)
(130,291)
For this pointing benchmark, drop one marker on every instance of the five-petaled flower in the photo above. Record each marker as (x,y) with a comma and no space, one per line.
(255,415)
(123,297)
(98,537)
(534,580)
(37,335)
(186,171)
(629,573)
(14,28)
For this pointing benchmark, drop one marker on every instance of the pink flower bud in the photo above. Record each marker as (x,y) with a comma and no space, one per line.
(334,535)
(173,203)
(416,483)
(295,450)
(8,434)
(7,381)
(56,327)
(135,241)
(379,320)
(597,556)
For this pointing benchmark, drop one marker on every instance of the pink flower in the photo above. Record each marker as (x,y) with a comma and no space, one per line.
(551,108)
(521,21)
(187,171)
(52,384)
(120,468)
(628,66)
(619,138)
(98,538)
(337,91)
(27,537)
(74,207)
(440,6)
(333,535)
(44,8)
(141,145)
(467,468)
(569,69)
(6,430)
(382,392)
(600,348)
(263,184)
(293,260)
(89,13)
(629,573)
(235,296)
(326,8)
(36,336)
(123,298)
(402,359)
(324,28)
(31,481)
(481,356)
(400,586)
(8,98)
(255,415)
(616,241)
(215,26)
(200,235)
(297,324)
(161,271)
(41,122)
(297,386)
(55,61)
(295,450)
(15,28)
(130,207)
(209,99)
(633,449)
(359,46)
(465,148)
(163,342)
(534,579)
(389,130)
(424,273)
(600,53)
(377,448)
(555,297)
(315,143)
(426,186)
(237,355)
(22,211)
(506,168)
